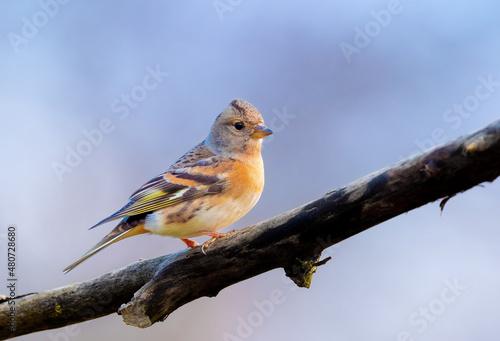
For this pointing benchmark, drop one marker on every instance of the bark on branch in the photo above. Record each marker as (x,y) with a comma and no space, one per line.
(293,240)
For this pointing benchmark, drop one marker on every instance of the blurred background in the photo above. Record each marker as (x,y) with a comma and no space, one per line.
(98,98)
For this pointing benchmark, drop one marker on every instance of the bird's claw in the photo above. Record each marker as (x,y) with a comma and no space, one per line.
(214,235)
(206,244)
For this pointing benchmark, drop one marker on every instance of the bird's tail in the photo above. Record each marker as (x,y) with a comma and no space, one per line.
(121,231)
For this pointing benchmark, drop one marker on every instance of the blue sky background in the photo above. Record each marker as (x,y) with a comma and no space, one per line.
(66,68)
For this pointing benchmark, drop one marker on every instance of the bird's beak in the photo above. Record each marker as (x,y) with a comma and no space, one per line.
(261,132)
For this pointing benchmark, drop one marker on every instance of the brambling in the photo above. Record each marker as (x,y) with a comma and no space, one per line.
(210,187)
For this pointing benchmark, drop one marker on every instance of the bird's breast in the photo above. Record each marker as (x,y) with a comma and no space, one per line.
(243,186)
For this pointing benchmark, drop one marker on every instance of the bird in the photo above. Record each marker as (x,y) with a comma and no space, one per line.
(210,187)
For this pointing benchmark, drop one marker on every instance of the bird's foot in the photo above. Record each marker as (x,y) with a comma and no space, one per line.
(215,235)
(190,243)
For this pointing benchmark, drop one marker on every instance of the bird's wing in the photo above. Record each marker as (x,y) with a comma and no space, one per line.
(197,173)
(167,189)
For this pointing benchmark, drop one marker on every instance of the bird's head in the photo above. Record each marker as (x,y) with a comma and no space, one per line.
(238,131)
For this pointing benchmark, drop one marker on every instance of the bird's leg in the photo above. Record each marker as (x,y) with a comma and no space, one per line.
(215,235)
(190,243)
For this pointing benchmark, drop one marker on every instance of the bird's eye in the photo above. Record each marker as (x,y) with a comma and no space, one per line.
(239,125)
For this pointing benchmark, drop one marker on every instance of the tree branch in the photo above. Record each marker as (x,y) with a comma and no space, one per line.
(293,240)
